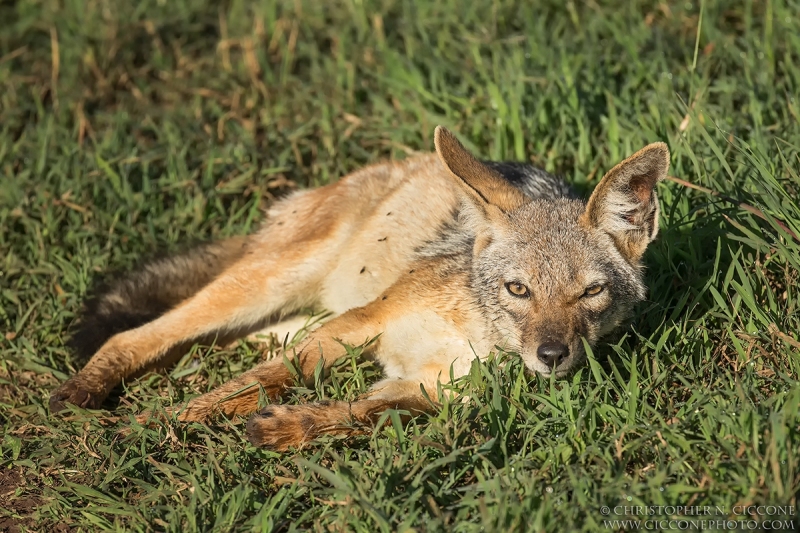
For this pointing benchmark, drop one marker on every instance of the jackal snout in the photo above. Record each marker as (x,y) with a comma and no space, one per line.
(552,353)
(555,352)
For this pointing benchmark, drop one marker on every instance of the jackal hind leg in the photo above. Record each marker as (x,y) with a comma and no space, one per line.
(238,299)
(282,268)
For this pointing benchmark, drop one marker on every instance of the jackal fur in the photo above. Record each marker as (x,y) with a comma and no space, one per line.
(439,259)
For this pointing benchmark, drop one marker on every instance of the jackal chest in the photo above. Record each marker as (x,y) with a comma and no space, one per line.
(425,347)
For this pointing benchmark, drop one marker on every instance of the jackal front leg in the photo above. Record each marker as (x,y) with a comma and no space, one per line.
(279,427)
(240,395)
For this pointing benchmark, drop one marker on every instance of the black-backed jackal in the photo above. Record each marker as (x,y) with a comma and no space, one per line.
(440,258)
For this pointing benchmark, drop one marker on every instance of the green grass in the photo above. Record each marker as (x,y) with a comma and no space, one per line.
(130,127)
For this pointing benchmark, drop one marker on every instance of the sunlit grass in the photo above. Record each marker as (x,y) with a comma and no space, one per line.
(129,128)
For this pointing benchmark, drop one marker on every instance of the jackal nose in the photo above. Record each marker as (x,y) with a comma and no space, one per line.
(552,353)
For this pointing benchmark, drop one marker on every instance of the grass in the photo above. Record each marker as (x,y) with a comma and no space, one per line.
(130,127)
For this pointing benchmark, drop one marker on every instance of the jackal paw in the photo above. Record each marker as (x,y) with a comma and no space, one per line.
(151,418)
(74,392)
(277,428)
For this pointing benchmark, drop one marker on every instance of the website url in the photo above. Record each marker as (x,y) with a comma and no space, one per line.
(700,525)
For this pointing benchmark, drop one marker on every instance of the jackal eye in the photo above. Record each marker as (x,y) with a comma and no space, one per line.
(593,290)
(517,289)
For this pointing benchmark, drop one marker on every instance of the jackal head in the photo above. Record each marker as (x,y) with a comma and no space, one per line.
(551,272)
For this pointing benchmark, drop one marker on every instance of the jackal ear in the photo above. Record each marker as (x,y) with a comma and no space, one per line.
(625,204)
(486,184)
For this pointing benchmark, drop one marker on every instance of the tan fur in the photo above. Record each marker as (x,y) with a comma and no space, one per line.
(374,250)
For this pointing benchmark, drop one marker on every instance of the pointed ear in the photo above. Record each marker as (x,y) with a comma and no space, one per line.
(485,184)
(625,204)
